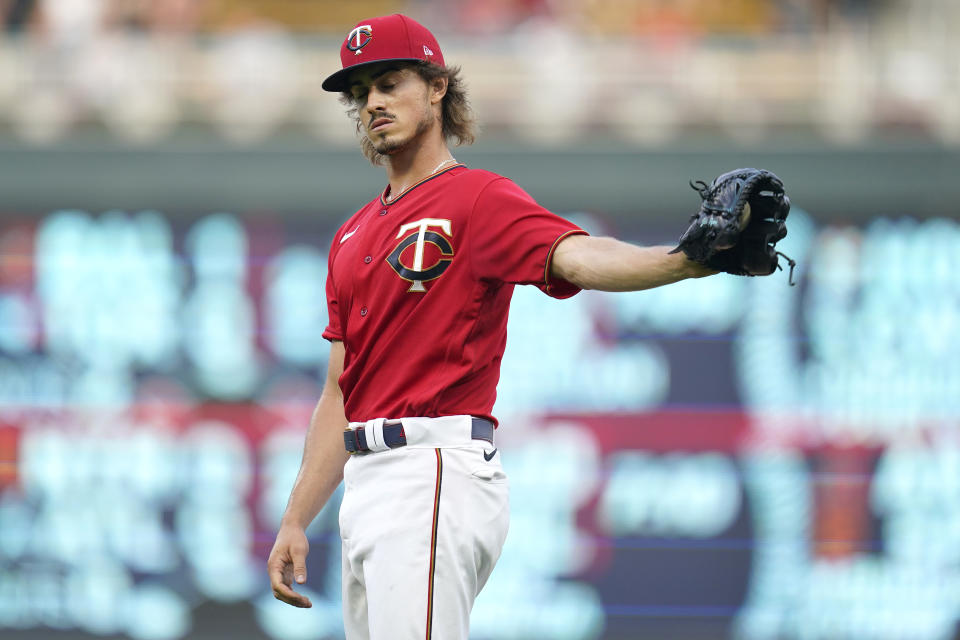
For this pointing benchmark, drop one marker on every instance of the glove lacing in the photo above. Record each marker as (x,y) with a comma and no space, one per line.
(703,189)
(791,262)
(708,194)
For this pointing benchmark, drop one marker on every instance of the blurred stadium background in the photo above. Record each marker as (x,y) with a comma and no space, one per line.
(728,458)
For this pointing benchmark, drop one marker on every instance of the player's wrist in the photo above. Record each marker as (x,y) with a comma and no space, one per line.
(689,268)
(292,521)
(696,270)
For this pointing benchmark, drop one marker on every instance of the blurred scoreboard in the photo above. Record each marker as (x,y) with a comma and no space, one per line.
(725,457)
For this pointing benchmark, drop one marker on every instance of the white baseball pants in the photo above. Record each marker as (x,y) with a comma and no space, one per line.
(422,527)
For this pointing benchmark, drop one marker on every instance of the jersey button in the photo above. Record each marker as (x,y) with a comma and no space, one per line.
(368,259)
(383,212)
(363,311)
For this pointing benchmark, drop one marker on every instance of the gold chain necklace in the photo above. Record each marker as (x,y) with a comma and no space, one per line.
(393,197)
(447,161)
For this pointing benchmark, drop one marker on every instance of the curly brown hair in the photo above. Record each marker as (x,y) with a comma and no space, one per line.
(457,118)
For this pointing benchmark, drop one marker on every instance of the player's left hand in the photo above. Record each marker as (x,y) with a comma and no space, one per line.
(742,216)
(288,562)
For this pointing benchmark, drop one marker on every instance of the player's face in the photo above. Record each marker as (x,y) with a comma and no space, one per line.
(395,105)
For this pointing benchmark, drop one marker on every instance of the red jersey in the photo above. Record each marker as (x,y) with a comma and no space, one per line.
(419,289)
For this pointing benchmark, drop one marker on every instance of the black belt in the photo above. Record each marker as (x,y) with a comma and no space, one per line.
(355,440)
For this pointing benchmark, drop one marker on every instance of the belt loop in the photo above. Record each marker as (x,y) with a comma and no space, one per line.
(374,431)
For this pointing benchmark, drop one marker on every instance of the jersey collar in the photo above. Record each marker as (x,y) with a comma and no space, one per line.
(383,194)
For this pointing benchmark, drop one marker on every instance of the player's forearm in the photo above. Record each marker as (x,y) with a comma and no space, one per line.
(322,467)
(323,453)
(607,264)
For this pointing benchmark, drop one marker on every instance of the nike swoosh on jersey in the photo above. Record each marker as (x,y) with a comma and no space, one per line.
(489,456)
(347,235)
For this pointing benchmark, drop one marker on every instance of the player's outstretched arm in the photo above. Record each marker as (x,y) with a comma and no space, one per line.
(608,264)
(320,472)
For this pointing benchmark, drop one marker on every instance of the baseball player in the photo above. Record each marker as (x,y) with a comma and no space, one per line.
(418,288)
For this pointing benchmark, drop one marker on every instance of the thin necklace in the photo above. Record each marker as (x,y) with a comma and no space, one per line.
(447,161)
(392,197)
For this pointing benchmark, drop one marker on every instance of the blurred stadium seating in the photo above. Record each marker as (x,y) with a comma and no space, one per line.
(643,70)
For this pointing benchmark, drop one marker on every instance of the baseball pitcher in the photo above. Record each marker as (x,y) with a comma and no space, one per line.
(418,288)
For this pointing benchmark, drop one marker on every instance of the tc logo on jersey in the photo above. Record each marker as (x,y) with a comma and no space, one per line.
(359,38)
(421,236)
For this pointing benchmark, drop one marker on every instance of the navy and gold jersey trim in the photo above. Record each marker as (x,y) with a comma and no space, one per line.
(549,281)
(383,200)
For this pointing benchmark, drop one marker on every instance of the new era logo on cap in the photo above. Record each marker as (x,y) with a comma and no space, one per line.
(395,37)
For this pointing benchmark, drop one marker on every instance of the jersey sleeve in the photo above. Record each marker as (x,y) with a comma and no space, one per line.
(513,239)
(334,329)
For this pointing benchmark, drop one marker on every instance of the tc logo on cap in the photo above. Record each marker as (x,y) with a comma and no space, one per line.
(359,38)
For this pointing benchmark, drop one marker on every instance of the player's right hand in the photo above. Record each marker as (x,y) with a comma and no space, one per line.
(288,562)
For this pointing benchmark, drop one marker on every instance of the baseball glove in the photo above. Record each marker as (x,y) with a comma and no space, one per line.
(742,216)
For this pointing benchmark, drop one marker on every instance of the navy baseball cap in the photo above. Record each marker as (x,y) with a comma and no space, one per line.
(382,39)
